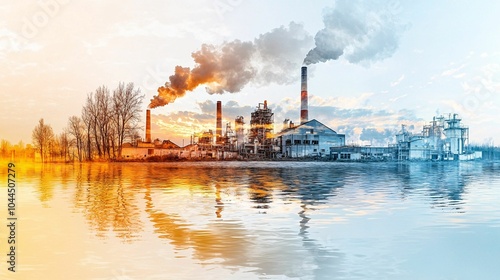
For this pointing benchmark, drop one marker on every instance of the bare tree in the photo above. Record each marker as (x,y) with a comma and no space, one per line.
(109,119)
(97,114)
(88,122)
(64,143)
(76,129)
(103,117)
(42,136)
(54,148)
(93,111)
(133,134)
(126,111)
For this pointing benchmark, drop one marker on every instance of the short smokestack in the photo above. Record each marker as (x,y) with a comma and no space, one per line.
(218,132)
(304,113)
(148,126)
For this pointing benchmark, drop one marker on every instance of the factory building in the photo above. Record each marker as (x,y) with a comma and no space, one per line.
(443,139)
(165,148)
(311,138)
(362,153)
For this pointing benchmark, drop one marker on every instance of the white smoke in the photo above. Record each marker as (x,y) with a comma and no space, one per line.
(362,31)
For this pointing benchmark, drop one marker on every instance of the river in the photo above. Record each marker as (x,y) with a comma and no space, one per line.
(255,220)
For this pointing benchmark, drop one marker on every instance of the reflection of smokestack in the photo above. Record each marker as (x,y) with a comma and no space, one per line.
(148,126)
(218,132)
(303,97)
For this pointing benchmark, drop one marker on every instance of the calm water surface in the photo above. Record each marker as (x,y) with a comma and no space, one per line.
(256,220)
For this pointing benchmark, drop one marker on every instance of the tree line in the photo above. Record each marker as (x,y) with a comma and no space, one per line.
(107,120)
(20,150)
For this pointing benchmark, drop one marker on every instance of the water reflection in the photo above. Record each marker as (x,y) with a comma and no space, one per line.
(232,243)
(105,200)
(444,184)
(225,241)
(263,218)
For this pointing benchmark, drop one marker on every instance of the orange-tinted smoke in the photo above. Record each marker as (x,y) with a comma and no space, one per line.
(272,57)
(178,84)
(226,68)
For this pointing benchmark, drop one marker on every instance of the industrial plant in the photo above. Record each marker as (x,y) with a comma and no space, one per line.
(445,138)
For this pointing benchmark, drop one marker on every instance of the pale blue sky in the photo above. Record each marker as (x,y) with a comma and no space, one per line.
(447,60)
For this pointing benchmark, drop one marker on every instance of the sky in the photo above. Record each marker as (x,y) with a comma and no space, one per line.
(373,65)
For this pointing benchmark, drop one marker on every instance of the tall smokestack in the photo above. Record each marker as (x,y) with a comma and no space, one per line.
(148,126)
(218,132)
(304,114)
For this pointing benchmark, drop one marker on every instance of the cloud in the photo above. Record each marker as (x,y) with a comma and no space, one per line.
(11,42)
(378,137)
(397,98)
(360,124)
(352,120)
(398,81)
(230,109)
(452,71)
(358,101)
(180,125)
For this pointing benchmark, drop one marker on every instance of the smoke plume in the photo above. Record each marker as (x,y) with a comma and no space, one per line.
(270,58)
(362,31)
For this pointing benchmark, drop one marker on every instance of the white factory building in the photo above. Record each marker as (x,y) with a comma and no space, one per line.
(445,138)
(311,138)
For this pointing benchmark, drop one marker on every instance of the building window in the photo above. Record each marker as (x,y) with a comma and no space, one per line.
(296,142)
(345,156)
(307,142)
(315,142)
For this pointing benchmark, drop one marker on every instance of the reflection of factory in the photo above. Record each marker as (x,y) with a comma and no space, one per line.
(443,139)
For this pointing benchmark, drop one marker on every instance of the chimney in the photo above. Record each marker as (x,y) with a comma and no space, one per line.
(148,126)
(218,131)
(303,97)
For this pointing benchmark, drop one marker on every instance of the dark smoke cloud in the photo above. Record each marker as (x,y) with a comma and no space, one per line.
(362,31)
(270,58)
